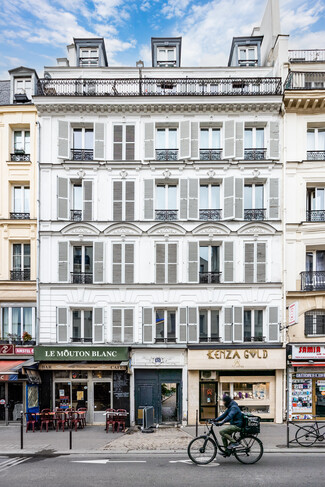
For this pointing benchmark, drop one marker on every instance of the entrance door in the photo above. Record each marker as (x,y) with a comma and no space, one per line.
(15,400)
(32,402)
(102,400)
(79,395)
(208,400)
(169,402)
(2,401)
(320,398)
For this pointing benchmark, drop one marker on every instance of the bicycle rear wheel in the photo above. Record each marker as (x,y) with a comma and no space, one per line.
(306,435)
(250,450)
(202,450)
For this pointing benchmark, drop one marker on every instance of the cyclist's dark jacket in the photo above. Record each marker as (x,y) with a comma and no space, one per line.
(233,415)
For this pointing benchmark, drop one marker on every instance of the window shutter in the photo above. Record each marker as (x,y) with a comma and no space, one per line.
(249,262)
(239,198)
(193,199)
(229,198)
(195,153)
(183,199)
(129,263)
(98,324)
(62,325)
(87,187)
(261,262)
(129,142)
(182,325)
(172,263)
(98,262)
(128,326)
(229,152)
(63,262)
(99,137)
(148,328)
(117,200)
(63,139)
(274,199)
(185,143)
(193,329)
(193,262)
(239,140)
(149,136)
(238,324)
(273,324)
(228,262)
(118,143)
(117,263)
(148,199)
(62,198)
(228,314)
(160,263)
(274,140)
(129,201)
(117,325)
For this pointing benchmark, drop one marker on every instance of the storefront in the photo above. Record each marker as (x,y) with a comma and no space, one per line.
(93,377)
(306,381)
(253,376)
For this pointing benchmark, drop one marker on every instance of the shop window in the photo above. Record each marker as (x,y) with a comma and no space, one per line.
(315,322)
(18,323)
(253,396)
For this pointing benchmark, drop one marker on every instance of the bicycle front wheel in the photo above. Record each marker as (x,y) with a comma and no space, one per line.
(306,435)
(202,450)
(250,450)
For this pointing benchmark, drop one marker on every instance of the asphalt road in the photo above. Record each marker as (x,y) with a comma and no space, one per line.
(289,470)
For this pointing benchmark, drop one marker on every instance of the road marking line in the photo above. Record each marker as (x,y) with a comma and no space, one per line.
(102,462)
(12,463)
(189,462)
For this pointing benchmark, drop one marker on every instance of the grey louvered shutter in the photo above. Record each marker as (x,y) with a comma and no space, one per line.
(249,262)
(274,140)
(239,140)
(129,201)
(63,261)
(87,187)
(172,263)
(117,263)
(273,324)
(118,142)
(148,199)
(128,326)
(99,141)
(260,262)
(195,151)
(228,262)
(274,198)
(185,141)
(239,198)
(98,325)
(160,263)
(149,137)
(229,151)
(117,201)
(63,139)
(193,328)
(129,142)
(193,262)
(98,262)
(62,325)
(193,199)
(62,198)
(117,325)
(148,327)
(183,199)
(129,263)
(238,324)
(229,198)
(228,324)
(182,325)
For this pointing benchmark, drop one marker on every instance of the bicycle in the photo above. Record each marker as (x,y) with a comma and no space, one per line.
(203,449)
(307,435)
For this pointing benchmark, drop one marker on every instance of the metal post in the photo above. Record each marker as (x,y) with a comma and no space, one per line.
(21,430)
(288,433)
(197,423)
(70,439)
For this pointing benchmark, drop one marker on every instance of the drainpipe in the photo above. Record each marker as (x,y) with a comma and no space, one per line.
(38,232)
(284,265)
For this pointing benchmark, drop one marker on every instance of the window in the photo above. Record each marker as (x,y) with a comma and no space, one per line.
(83,144)
(124,142)
(253,325)
(166,263)
(314,277)
(315,204)
(247,56)
(77,202)
(122,325)
(123,263)
(210,202)
(255,262)
(22,141)
(88,57)
(82,325)
(165,325)
(15,321)
(209,264)
(210,145)
(166,144)
(166,202)
(123,200)
(82,264)
(315,322)
(166,56)
(20,205)
(209,325)
(23,86)
(316,144)
(254,202)
(254,144)
(20,262)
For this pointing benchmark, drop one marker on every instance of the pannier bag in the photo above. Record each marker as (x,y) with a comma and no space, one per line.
(251,424)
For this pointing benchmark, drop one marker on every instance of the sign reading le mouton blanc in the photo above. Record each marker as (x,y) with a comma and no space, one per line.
(105,354)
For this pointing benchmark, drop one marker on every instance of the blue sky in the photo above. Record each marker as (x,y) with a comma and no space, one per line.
(35,32)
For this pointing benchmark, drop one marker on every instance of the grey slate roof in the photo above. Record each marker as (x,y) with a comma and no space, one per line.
(5,92)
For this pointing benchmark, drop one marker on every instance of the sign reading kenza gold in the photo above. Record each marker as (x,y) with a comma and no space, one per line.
(237,354)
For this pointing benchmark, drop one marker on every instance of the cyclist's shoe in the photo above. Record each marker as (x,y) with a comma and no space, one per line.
(225,454)
(231,446)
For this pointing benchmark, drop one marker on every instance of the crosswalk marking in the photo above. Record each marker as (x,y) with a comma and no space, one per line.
(12,462)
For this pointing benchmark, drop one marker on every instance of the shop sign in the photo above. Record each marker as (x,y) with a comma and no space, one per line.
(6,349)
(2,402)
(105,354)
(66,366)
(24,350)
(308,352)
(293,314)
(317,375)
(237,354)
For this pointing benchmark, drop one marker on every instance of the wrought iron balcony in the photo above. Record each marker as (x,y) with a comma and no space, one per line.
(82,154)
(305,81)
(160,87)
(210,214)
(254,214)
(19,275)
(19,157)
(76,215)
(165,340)
(315,215)
(81,340)
(210,277)
(19,216)
(316,155)
(312,280)
(249,338)
(210,154)
(213,339)
(166,215)
(82,277)
(166,154)
(254,154)
(307,55)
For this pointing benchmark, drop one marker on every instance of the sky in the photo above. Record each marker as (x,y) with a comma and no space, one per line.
(34,33)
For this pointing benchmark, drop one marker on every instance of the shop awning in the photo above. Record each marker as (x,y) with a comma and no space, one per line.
(308,364)
(9,369)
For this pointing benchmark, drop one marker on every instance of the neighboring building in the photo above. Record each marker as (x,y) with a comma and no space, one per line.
(304,101)
(18,230)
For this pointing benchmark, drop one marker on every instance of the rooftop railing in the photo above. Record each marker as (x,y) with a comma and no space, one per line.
(306,55)
(305,81)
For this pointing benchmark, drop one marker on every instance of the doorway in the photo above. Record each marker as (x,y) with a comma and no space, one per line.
(169,402)
(102,400)
(320,398)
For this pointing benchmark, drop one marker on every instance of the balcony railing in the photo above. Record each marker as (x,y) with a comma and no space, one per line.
(166,154)
(82,154)
(254,214)
(160,87)
(81,277)
(249,338)
(305,81)
(210,154)
(254,154)
(207,214)
(76,215)
(18,275)
(166,215)
(19,216)
(88,61)
(205,339)
(312,280)
(165,340)
(210,277)
(81,340)
(316,155)
(307,55)
(315,215)
(16,157)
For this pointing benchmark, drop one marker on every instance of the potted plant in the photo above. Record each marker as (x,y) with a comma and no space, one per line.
(14,339)
(27,338)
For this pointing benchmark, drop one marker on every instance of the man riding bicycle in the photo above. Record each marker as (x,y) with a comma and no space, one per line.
(234,416)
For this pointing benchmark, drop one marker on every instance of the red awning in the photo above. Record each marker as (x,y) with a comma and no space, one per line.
(10,366)
(308,364)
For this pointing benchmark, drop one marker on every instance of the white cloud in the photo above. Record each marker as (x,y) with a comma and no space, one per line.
(111,9)
(174,8)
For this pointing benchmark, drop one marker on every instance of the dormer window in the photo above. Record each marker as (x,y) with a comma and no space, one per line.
(166,56)
(247,56)
(166,52)
(23,89)
(89,56)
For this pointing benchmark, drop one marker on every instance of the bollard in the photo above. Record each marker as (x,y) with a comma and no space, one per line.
(70,439)
(21,430)
(197,423)
(288,434)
